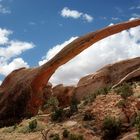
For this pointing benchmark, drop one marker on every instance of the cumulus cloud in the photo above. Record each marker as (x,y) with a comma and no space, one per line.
(67,13)
(4,33)
(14,48)
(15,64)
(9,50)
(87,17)
(114,48)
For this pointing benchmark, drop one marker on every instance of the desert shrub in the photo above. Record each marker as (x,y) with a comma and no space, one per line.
(111,128)
(88,116)
(58,115)
(92,96)
(121,103)
(52,103)
(137,125)
(75,137)
(65,133)
(89,98)
(54,137)
(73,104)
(103,91)
(33,124)
(125,90)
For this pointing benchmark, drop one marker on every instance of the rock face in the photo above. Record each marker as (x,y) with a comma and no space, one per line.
(113,74)
(21,91)
(63,94)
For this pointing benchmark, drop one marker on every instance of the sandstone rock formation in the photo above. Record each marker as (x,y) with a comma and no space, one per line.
(63,94)
(110,75)
(21,91)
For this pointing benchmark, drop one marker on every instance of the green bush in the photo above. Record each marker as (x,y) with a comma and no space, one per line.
(73,104)
(66,133)
(88,116)
(54,137)
(75,137)
(89,98)
(57,115)
(92,96)
(125,90)
(121,103)
(137,125)
(111,128)
(103,91)
(33,124)
(51,102)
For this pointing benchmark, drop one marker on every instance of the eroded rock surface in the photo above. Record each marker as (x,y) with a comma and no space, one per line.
(110,75)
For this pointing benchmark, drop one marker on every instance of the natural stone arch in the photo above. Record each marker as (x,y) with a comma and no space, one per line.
(20,92)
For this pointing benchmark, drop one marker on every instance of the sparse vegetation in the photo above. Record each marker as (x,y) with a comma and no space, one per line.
(65,133)
(89,98)
(121,103)
(137,125)
(74,104)
(52,103)
(33,124)
(54,137)
(88,116)
(125,90)
(58,115)
(92,96)
(103,91)
(111,128)
(75,137)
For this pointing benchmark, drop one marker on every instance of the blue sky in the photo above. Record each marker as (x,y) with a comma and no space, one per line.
(43,24)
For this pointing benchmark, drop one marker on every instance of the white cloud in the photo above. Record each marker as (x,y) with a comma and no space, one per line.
(9,50)
(4,10)
(87,17)
(114,48)
(14,48)
(4,36)
(0,82)
(67,13)
(6,68)
(53,51)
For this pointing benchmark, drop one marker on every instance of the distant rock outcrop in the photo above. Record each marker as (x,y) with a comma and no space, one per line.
(21,92)
(110,75)
(63,94)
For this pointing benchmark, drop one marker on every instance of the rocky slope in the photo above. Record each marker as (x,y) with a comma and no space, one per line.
(87,122)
